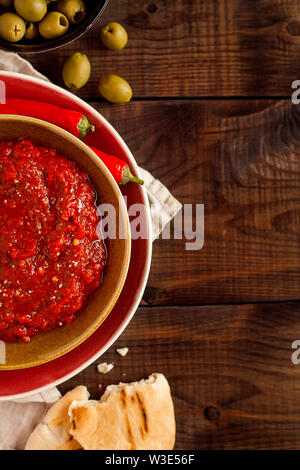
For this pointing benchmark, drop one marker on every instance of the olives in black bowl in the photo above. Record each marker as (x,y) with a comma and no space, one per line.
(31,26)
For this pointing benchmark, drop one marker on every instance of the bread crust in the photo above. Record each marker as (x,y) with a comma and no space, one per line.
(53,433)
(136,416)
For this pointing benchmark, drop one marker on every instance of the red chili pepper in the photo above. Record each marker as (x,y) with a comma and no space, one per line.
(73,121)
(118,168)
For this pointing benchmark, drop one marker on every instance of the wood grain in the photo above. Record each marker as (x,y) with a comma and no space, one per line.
(194,48)
(229,367)
(241,160)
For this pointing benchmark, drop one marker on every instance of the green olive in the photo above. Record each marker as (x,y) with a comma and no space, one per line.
(31,10)
(76,71)
(115,89)
(32,31)
(114,36)
(12,27)
(54,24)
(74,10)
(6,3)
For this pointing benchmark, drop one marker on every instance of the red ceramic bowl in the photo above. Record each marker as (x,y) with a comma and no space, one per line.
(20,383)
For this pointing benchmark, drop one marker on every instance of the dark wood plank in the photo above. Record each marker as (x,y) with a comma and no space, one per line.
(229,367)
(194,48)
(240,159)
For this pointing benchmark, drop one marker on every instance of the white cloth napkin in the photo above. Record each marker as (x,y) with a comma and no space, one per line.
(19,417)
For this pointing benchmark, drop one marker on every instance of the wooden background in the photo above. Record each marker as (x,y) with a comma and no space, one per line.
(212,119)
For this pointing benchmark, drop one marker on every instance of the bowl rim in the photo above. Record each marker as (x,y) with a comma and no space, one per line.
(83,105)
(122,211)
(55,43)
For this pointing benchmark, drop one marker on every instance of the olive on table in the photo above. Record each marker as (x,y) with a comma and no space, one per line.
(76,71)
(12,27)
(54,24)
(115,89)
(74,10)
(32,31)
(31,10)
(6,3)
(114,36)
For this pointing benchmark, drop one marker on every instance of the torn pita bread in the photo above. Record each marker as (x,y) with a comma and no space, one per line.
(136,416)
(53,432)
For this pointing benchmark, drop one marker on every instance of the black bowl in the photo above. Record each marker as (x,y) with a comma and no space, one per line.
(94,10)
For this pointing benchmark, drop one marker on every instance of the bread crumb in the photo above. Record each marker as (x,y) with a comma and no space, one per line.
(103,368)
(122,351)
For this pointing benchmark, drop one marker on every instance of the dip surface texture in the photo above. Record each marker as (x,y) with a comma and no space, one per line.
(51,258)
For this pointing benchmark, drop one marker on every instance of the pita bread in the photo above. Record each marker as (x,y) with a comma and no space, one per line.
(136,416)
(53,432)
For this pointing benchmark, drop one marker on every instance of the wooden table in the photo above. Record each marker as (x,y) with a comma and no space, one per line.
(212,119)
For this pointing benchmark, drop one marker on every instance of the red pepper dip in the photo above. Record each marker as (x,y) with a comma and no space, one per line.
(51,258)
